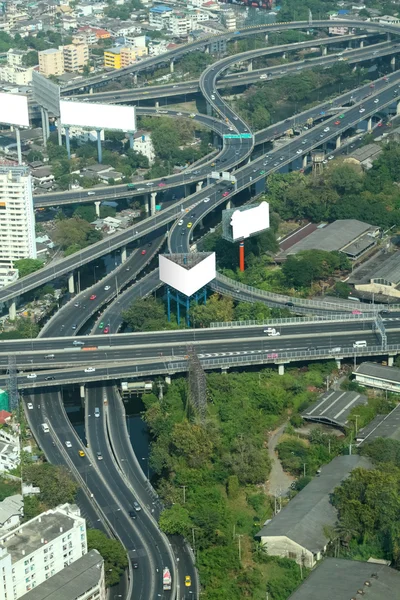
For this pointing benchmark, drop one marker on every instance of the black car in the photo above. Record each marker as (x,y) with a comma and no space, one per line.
(289,304)
(135,565)
(49,378)
(132,514)
(150,244)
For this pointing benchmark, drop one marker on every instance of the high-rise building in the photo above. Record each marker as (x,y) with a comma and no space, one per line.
(17,220)
(35,551)
(51,62)
(76,56)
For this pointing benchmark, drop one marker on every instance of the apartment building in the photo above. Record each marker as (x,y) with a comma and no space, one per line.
(51,62)
(37,550)
(15,58)
(83,580)
(159,16)
(112,58)
(76,56)
(143,144)
(9,451)
(17,219)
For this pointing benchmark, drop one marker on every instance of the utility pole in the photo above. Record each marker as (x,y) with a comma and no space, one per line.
(356,417)
(304,469)
(239,536)
(184,493)
(194,543)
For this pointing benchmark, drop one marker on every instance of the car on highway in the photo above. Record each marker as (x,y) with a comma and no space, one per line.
(89,370)
(106,330)
(31,376)
(189,225)
(132,514)
(299,151)
(326,129)
(49,378)
(361,110)
(341,116)
(161,184)
(81,453)
(93,297)
(78,343)
(206,200)
(143,252)
(76,304)
(135,565)
(68,444)
(337,122)
(74,326)
(99,455)
(356,312)
(30,405)
(188,581)
(101,325)
(225,194)
(376,101)
(331,157)
(180,222)
(136,506)
(107,287)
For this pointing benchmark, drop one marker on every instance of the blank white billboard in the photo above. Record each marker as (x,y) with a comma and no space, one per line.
(14,109)
(98,116)
(245,223)
(187,281)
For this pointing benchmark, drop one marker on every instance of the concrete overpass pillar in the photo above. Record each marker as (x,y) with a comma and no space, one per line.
(157,104)
(171,66)
(123,254)
(91,90)
(82,391)
(266,38)
(153,197)
(338,363)
(71,283)
(229,204)
(250,66)
(59,134)
(99,151)
(393,63)
(362,44)
(284,55)
(209,109)
(207,50)
(369,124)
(131,141)
(324,50)
(12,310)
(97,207)
(305,158)
(68,145)
(398,108)
(281,369)
(388,37)
(199,185)
(338,141)
(168,379)
(390,361)
(201,224)
(146,205)
(44,127)
(135,79)
(349,46)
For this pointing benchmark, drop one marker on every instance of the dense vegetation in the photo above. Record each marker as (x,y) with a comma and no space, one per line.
(223,464)
(113,552)
(56,487)
(74,234)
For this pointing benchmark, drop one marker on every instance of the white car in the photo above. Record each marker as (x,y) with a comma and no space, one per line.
(273,333)
(206,200)
(331,157)
(326,129)
(212,97)
(107,287)
(299,152)
(78,343)
(31,376)
(89,370)
(376,101)
(179,114)
(180,222)
(30,405)
(361,110)
(68,444)
(269,329)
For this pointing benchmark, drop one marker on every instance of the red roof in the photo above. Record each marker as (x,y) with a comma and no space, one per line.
(4,415)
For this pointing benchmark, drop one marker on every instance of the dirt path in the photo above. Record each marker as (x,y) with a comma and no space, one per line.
(279,481)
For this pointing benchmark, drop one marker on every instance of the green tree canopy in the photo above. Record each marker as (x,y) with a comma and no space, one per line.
(113,553)
(26,266)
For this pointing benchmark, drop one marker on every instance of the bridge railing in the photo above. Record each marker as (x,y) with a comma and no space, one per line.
(294,320)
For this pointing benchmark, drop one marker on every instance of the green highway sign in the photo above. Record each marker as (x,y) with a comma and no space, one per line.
(237,136)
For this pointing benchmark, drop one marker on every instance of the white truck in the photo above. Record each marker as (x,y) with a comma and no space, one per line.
(166,579)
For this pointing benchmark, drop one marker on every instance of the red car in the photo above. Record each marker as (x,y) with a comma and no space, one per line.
(143,252)
(225,194)
(380,124)
(337,122)
(93,297)
(372,85)
(106,330)
(161,184)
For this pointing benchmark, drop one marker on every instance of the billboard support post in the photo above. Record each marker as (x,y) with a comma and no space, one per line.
(99,153)
(68,145)
(131,141)
(59,132)
(44,126)
(241,256)
(18,138)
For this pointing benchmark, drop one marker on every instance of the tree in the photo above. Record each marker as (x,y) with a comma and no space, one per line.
(75,233)
(113,553)
(217,308)
(55,483)
(87,212)
(175,521)
(31,59)
(146,314)
(26,266)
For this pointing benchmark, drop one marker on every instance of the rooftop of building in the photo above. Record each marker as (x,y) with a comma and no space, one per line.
(160,9)
(388,268)
(370,151)
(72,582)
(383,426)
(113,50)
(343,579)
(188,261)
(50,51)
(10,506)
(34,534)
(335,236)
(304,519)
(379,371)
(333,407)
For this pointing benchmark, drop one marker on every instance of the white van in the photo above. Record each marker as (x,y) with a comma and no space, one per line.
(45,428)
(97,412)
(360,344)
(334,350)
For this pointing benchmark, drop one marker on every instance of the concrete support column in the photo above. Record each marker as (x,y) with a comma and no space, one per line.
(201,224)
(284,55)
(324,50)
(266,38)
(393,63)
(338,141)
(398,108)
(338,363)
(305,157)
(46,112)
(131,141)
(99,152)
(388,37)
(369,124)
(250,66)
(123,254)
(281,369)
(229,204)
(59,134)
(157,104)
(209,109)
(168,379)
(44,128)
(390,361)
(12,310)
(199,185)
(146,205)
(67,143)
(91,90)
(82,391)
(19,151)
(207,50)
(349,46)
(153,196)
(97,207)
(362,44)
(171,66)
(71,283)
(135,79)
